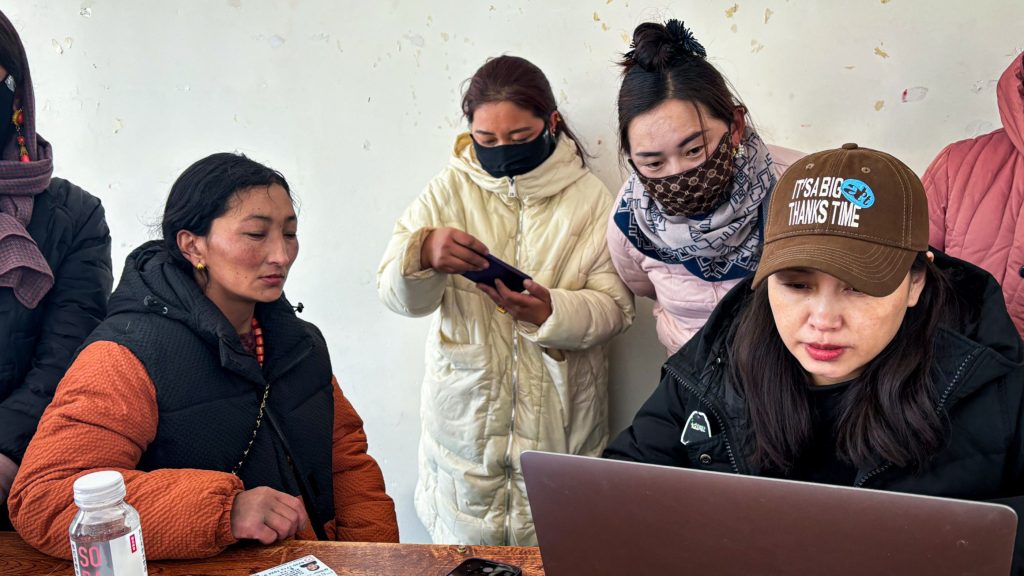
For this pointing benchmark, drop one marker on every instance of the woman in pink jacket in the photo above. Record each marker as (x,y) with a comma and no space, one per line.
(976,196)
(687,225)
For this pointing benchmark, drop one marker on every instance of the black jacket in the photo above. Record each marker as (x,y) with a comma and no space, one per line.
(980,391)
(209,389)
(36,346)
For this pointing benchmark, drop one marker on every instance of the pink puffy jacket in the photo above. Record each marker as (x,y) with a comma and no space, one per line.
(976,192)
(682,302)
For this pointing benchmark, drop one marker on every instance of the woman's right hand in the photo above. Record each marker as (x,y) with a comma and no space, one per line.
(452,251)
(267,515)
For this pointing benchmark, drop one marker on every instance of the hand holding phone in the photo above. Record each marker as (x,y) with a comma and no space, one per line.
(533,306)
(481,567)
(453,251)
(496,270)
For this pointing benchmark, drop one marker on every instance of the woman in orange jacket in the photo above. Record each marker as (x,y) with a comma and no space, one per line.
(203,388)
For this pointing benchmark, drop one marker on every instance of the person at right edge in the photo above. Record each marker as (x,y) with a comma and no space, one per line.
(55,269)
(976,196)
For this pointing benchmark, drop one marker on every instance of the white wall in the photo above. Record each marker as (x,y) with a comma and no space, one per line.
(357,103)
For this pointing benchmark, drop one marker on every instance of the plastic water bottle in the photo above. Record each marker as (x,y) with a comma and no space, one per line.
(106,535)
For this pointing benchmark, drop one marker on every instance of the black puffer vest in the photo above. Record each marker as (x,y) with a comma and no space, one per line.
(209,390)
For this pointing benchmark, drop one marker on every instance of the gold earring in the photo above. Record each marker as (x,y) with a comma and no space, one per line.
(200,267)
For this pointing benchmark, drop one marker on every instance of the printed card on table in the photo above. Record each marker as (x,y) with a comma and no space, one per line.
(305,566)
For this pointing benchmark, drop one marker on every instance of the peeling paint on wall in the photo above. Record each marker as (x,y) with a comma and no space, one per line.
(880,52)
(767,14)
(731,11)
(982,85)
(978,127)
(756,46)
(415,39)
(879,104)
(915,94)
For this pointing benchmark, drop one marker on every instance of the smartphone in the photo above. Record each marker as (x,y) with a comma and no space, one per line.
(512,278)
(481,567)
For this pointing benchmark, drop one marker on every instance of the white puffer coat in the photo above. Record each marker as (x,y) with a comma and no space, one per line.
(494,387)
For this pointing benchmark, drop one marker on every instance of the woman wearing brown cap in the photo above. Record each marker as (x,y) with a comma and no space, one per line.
(855,356)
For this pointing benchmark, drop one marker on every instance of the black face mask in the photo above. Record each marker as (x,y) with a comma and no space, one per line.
(6,111)
(515,159)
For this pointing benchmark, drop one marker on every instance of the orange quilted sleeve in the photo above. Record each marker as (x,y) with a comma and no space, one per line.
(103,417)
(363,511)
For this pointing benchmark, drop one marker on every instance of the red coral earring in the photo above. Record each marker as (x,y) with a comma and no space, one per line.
(18,119)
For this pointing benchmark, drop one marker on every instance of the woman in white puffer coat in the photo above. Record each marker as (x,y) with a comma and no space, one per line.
(506,371)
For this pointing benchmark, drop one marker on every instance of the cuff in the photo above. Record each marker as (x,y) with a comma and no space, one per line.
(225,537)
(411,257)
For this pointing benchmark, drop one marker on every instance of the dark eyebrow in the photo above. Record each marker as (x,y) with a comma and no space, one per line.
(268,219)
(685,141)
(511,132)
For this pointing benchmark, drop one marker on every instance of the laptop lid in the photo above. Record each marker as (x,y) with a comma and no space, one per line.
(596,516)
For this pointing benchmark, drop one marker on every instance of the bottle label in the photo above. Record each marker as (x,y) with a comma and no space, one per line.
(122,556)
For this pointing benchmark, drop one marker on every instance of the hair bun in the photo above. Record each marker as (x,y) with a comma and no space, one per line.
(656,47)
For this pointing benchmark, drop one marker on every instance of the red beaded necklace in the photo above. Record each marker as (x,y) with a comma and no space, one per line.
(257,333)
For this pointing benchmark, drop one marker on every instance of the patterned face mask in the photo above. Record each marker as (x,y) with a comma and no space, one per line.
(699,190)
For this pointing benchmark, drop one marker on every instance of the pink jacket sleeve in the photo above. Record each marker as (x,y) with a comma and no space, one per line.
(936,186)
(626,259)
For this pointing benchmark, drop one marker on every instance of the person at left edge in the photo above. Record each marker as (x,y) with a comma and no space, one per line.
(506,372)
(55,271)
(206,392)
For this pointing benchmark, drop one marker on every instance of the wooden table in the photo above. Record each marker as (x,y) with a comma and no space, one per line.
(345,558)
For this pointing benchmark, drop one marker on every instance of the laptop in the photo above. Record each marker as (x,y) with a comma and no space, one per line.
(595,517)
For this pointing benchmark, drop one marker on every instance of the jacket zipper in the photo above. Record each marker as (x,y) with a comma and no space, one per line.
(711,408)
(939,406)
(515,378)
(307,493)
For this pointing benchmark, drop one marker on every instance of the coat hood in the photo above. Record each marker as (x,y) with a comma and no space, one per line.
(555,174)
(1010,94)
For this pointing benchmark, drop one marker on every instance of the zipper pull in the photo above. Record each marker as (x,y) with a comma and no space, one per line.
(512,187)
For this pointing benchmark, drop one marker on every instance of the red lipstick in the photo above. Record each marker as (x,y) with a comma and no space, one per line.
(824,352)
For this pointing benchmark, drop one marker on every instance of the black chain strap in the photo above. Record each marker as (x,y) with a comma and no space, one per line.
(259,421)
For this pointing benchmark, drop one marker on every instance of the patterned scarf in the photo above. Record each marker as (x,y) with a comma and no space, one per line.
(22,265)
(723,245)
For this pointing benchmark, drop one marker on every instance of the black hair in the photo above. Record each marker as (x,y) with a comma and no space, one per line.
(521,82)
(203,192)
(890,413)
(666,62)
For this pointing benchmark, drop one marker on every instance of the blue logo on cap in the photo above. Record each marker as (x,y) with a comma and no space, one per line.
(858,193)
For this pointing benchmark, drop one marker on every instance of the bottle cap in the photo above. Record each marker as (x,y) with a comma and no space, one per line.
(99,489)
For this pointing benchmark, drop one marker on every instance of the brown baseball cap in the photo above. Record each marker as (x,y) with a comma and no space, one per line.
(854,213)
